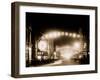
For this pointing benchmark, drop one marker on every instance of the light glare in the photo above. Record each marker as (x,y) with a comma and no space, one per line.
(74,35)
(66,34)
(39,57)
(62,33)
(42,45)
(78,36)
(77,45)
(70,34)
(30,53)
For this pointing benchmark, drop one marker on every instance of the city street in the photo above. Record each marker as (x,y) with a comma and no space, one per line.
(61,62)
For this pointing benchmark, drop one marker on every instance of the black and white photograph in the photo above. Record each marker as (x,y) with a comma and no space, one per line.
(52,39)
(56,39)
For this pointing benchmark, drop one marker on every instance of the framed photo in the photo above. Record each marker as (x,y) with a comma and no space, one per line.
(52,39)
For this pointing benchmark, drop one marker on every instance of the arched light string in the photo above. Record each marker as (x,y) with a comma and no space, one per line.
(57,34)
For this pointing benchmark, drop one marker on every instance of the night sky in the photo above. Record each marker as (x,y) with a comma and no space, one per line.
(42,22)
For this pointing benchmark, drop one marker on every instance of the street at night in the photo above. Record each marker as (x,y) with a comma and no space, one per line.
(56,39)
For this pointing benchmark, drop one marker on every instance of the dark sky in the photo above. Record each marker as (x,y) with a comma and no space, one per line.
(42,22)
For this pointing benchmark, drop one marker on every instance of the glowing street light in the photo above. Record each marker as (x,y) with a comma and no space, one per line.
(78,36)
(46,36)
(70,34)
(74,35)
(66,33)
(52,35)
(77,45)
(56,34)
(39,57)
